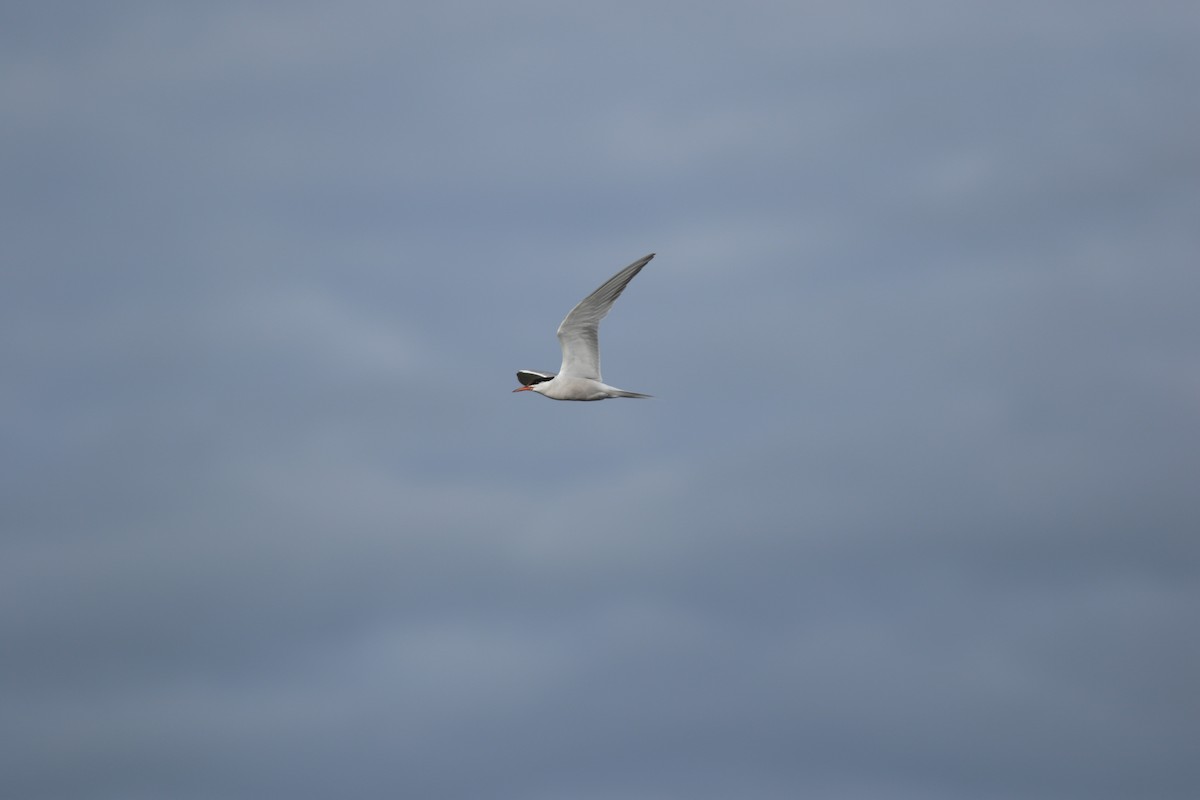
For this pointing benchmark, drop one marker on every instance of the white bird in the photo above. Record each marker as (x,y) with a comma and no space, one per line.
(579,376)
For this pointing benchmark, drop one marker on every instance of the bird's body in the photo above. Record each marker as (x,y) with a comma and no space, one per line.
(579,376)
(564,387)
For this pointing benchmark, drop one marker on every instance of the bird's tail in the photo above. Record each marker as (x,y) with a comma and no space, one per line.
(623,393)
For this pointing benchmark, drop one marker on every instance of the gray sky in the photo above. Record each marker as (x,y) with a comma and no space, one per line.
(912,515)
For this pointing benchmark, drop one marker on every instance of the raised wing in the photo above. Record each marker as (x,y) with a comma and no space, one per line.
(579,331)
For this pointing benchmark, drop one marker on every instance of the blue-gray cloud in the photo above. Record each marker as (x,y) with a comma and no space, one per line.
(912,513)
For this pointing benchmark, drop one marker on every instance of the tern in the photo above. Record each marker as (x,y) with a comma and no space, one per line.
(579,376)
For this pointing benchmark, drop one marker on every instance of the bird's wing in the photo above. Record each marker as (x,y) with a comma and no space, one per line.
(528,377)
(579,331)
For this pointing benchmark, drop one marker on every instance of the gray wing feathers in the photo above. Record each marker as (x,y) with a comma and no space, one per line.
(579,332)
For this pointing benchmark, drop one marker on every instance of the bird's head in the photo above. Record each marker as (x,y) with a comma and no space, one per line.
(532,380)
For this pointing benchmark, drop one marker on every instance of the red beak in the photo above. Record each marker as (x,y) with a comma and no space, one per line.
(523,389)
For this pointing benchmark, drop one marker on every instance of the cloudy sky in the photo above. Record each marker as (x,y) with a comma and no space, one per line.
(913,513)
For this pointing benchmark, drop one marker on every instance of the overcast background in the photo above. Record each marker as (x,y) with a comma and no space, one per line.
(913,513)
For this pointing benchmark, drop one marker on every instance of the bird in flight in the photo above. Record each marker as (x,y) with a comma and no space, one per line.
(579,376)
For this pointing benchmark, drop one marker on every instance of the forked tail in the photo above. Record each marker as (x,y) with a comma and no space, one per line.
(623,393)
